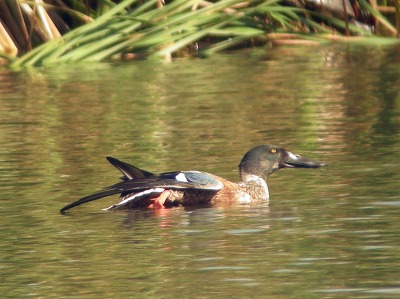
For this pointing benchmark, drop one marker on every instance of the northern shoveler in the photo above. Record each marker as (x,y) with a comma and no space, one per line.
(140,188)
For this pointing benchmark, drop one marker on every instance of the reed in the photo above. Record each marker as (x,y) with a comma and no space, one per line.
(36,32)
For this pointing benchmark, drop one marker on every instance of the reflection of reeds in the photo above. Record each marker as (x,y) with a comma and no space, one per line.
(42,33)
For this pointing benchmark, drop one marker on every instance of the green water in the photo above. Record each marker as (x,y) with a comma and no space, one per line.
(328,233)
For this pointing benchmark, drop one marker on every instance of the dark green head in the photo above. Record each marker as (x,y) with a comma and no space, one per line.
(263,160)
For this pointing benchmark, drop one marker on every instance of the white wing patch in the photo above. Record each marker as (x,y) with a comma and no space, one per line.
(181,178)
(130,198)
(293,156)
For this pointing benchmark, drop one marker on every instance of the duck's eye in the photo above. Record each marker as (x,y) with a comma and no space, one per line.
(272,150)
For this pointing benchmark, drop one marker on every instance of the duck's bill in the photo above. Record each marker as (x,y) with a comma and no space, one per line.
(298,161)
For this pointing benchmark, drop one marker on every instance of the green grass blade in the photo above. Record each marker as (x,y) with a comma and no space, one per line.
(378,16)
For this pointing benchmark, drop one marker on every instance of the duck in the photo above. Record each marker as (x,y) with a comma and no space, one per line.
(140,188)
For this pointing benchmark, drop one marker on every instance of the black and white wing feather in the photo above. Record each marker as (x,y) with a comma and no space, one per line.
(137,181)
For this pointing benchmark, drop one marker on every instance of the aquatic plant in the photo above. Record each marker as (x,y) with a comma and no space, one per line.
(54,32)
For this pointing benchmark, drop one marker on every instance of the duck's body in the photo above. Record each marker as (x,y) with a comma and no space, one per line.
(141,188)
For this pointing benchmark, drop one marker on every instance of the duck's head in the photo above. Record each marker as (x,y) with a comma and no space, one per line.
(263,160)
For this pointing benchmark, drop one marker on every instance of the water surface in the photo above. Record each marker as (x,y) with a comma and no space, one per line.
(328,233)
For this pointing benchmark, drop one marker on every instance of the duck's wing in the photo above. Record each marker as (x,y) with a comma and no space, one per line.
(103,193)
(177,180)
(180,180)
(129,171)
